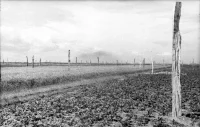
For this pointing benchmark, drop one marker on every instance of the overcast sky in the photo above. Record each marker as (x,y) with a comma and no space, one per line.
(112,30)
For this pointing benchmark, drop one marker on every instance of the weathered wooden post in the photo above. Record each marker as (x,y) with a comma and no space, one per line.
(143,62)
(152,65)
(140,63)
(33,62)
(27,61)
(68,59)
(1,89)
(163,62)
(176,59)
(98,60)
(40,62)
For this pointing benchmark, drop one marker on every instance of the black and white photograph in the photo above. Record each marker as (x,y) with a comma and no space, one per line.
(93,63)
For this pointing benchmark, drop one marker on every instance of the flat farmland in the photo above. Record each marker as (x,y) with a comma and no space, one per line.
(139,100)
(14,78)
(25,73)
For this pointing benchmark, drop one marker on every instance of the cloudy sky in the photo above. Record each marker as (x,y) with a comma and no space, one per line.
(113,30)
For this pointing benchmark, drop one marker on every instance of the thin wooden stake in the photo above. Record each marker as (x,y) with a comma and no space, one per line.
(152,66)
(143,62)
(27,61)
(68,59)
(163,62)
(176,59)
(151,63)
(40,62)
(33,62)
(98,60)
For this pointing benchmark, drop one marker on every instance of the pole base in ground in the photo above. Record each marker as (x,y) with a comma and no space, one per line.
(188,122)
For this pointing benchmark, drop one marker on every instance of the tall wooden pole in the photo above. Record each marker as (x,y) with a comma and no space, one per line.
(98,60)
(152,66)
(143,62)
(33,61)
(176,59)
(40,62)
(163,62)
(68,59)
(27,61)
(151,63)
